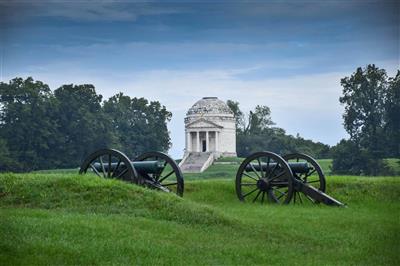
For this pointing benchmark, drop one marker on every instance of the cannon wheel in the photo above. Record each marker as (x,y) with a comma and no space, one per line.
(105,157)
(169,179)
(276,183)
(315,177)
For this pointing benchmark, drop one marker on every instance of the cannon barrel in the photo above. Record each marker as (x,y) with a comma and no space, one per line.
(142,167)
(298,167)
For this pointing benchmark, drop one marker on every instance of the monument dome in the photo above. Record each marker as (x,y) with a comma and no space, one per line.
(210,105)
(210,133)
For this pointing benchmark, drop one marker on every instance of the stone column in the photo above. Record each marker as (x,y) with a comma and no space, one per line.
(216,140)
(207,145)
(189,142)
(198,141)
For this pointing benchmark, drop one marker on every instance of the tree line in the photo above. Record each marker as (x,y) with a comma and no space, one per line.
(371,118)
(45,129)
(256,129)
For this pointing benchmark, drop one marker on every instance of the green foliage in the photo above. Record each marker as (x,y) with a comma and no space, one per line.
(364,100)
(83,127)
(40,129)
(6,163)
(25,122)
(257,133)
(349,159)
(81,220)
(392,116)
(239,116)
(139,126)
(371,117)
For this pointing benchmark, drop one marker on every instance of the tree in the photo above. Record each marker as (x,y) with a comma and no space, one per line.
(364,100)
(40,129)
(239,117)
(371,117)
(260,119)
(392,116)
(139,126)
(257,133)
(82,124)
(349,158)
(25,122)
(7,163)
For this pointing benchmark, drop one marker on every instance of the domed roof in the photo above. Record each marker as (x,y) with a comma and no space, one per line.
(210,105)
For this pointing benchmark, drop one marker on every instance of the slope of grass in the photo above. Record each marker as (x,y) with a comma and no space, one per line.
(89,194)
(59,219)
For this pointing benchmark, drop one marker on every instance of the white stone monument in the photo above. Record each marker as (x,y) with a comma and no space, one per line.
(210,133)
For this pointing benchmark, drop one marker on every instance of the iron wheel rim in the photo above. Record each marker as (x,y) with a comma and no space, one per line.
(124,169)
(318,183)
(171,181)
(274,185)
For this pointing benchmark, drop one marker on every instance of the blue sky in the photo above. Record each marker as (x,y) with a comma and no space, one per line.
(288,55)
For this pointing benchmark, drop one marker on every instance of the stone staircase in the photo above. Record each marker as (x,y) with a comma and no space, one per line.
(196,162)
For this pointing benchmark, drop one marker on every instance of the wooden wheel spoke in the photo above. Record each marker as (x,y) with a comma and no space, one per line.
(165,177)
(277,176)
(301,200)
(109,166)
(282,193)
(116,168)
(254,170)
(315,181)
(95,170)
(261,170)
(252,177)
(122,173)
(248,184)
(272,172)
(102,167)
(258,194)
(312,172)
(310,199)
(262,197)
(281,196)
(250,192)
(162,170)
(169,184)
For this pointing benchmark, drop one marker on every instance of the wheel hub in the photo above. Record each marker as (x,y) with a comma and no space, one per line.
(263,184)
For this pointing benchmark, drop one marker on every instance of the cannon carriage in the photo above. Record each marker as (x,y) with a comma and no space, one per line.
(154,170)
(296,178)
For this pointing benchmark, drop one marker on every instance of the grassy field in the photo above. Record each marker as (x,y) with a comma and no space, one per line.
(59,218)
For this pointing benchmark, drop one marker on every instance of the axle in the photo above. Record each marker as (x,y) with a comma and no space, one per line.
(298,167)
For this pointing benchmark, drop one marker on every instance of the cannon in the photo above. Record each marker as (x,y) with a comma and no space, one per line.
(268,177)
(154,170)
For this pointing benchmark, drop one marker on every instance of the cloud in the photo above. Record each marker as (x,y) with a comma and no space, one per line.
(89,10)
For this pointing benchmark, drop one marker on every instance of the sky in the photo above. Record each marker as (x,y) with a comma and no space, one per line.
(288,55)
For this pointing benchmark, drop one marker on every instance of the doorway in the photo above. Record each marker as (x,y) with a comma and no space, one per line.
(204,146)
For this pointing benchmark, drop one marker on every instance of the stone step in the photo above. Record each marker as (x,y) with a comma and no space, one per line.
(194,162)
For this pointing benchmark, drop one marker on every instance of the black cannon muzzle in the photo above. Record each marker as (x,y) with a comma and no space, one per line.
(142,167)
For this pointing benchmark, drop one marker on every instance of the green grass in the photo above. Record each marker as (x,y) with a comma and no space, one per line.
(230,159)
(64,219)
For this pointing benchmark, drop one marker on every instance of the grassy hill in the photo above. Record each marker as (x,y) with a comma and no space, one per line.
(64,218)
